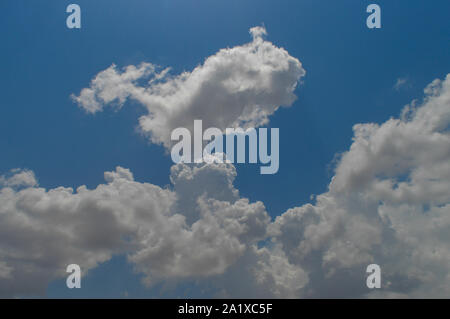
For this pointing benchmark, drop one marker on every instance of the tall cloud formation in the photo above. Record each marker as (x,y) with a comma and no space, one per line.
(388,203)
(236,87)
(42,231)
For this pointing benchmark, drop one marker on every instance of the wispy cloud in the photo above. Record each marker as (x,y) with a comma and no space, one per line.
(402,83)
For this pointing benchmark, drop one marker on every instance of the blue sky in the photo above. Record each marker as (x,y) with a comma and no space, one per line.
(351,74)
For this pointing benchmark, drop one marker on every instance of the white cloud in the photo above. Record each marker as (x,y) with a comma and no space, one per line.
(388,202)
(401,83)
(280,278)
(19,178)
(42,231)
(239,86)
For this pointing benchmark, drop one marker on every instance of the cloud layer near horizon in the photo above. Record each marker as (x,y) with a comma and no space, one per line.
(388,203)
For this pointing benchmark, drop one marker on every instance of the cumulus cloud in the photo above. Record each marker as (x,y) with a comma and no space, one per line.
(18,178)
(388,203)
(236,87)
(42,231)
